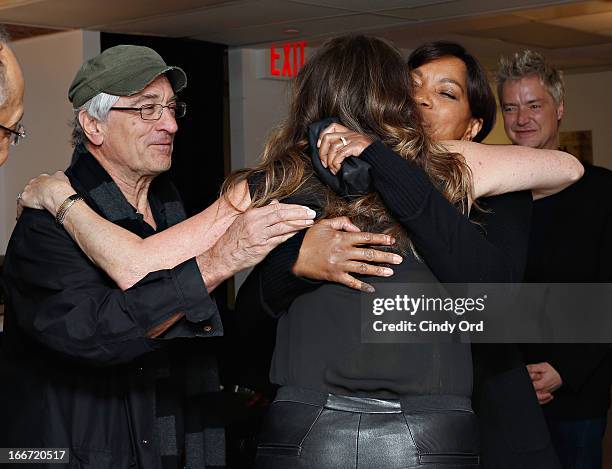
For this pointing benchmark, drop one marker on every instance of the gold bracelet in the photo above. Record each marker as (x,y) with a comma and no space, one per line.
(63,209)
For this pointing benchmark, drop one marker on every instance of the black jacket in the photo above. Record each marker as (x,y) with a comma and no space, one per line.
(78,371)
(571,241)
(447,241)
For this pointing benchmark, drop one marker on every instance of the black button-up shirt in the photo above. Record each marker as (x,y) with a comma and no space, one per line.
(79,371)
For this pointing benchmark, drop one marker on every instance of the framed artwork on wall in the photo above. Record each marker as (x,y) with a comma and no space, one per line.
(579,143)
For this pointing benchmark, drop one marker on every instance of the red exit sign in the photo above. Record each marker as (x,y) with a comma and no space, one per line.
(287,60)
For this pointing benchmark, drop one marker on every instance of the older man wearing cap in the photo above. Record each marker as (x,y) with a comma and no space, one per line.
(101,371)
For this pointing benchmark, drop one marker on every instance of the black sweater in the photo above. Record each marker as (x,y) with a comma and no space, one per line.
(571,241)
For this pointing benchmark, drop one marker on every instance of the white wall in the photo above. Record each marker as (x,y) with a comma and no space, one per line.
(588,102)
(256,106)
(49,64)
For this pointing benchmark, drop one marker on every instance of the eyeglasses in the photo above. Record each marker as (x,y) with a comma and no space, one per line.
(16,135)
(153,112)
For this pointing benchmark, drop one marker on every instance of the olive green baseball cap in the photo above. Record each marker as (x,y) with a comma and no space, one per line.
(122,71)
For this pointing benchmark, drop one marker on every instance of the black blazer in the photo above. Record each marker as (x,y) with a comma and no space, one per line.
(571,241)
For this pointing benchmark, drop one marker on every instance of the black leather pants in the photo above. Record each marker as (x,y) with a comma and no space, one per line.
(310,430)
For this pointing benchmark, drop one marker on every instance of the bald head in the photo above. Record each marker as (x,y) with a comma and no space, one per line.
(11,94)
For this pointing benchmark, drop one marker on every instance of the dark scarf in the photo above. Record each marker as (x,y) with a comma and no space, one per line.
(91,181)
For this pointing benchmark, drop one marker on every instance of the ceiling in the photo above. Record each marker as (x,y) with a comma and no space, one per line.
(576,36)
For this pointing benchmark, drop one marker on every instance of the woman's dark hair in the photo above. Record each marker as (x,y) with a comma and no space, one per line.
(479,92)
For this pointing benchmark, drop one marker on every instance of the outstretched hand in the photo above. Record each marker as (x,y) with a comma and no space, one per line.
(251,236)
(333,249)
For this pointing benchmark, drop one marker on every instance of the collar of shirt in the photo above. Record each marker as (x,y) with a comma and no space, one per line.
(101,193)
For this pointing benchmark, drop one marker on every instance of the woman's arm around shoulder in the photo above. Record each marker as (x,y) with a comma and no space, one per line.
(498,169)
(124,256)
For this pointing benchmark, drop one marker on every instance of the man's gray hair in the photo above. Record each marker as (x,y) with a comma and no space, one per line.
(5,38)
(97,107)
(528,63)
(4,89)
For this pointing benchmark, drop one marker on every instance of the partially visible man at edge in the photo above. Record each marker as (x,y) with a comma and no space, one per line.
(571,241)
(99,370)
(11,98)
